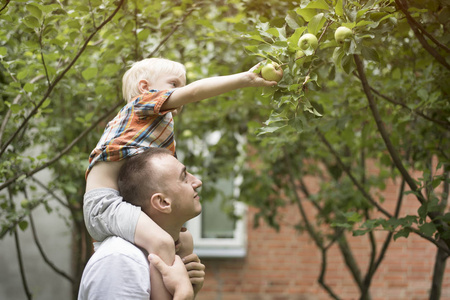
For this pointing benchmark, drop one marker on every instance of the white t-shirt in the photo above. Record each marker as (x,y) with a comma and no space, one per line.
(117,270)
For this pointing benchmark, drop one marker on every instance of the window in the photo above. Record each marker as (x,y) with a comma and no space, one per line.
(216,233)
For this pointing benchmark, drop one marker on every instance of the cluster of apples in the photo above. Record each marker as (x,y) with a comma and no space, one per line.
(274,72)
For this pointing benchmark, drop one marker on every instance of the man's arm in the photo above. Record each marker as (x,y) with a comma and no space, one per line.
(214,86)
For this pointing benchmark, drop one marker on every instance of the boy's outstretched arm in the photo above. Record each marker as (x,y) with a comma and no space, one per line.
(214,86)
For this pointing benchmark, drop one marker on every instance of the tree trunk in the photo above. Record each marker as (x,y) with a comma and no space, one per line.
(438,274)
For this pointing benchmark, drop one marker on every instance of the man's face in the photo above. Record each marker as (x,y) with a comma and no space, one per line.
(180,186)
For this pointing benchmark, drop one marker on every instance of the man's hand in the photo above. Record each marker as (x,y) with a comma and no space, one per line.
(196,271)
(175,277)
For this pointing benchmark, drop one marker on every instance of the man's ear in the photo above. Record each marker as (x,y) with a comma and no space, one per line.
(161,203)
(144,86)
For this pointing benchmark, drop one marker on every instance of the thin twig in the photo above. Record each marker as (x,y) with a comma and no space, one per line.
(59,77)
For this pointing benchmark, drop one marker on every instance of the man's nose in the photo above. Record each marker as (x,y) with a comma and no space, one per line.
(196,182)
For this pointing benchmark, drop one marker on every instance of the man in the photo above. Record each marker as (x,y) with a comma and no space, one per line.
(157,182)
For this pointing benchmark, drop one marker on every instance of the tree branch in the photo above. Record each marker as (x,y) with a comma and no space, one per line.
(4,6)
(443,124)
(44,256)
(58,78)
(393,153)
(321,279)
(60,201)
(312,233)
(412,23)
(64,151)
(387,241)
(404,9)
(350,175)
(19,253)
(175,28)
(380,125)
(15,101)
(350,261)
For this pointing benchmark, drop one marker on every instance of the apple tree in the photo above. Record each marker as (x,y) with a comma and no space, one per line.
(364,82)
(373,92)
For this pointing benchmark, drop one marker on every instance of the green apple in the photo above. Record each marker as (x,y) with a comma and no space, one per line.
(299,54)
(308,40)
(272,72)
(342,33)
(300,57)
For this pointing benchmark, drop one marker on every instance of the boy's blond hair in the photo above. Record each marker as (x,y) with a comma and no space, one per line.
(148,69)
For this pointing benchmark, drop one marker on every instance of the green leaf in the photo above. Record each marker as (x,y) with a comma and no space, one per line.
(292,20)
(3,51)
(339,9)
(34,10)
(270,129)
(306,14)
(28,87)
(23,225)
(319,4)
(359,232)
(273,31)
(370,54)
(89,73)
(404,232)
(31,22)
(46,103)
(316,23)
(428,229)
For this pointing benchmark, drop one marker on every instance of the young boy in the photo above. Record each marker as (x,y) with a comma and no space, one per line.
(154,89)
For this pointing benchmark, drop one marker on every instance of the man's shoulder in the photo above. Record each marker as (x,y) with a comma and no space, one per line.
(117,247)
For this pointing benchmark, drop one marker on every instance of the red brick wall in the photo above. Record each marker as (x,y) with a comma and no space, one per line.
(285,265)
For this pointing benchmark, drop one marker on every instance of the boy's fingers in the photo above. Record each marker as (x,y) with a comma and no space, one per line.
(195,266)
(255,67)
(191,258)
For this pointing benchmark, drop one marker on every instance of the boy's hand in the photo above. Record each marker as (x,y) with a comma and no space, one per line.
(256,79)
(196,271)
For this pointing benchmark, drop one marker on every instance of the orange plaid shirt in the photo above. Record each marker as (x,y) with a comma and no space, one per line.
(139,125)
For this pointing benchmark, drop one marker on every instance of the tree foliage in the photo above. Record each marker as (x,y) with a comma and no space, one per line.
(380,98)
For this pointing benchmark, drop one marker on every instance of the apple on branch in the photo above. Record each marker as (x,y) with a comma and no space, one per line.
(307,41)
(341,34)
(272,72)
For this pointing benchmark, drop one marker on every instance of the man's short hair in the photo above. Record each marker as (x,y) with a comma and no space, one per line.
(148,69)
(138,178)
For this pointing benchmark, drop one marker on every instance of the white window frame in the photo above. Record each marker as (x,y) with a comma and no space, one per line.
(221,247)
